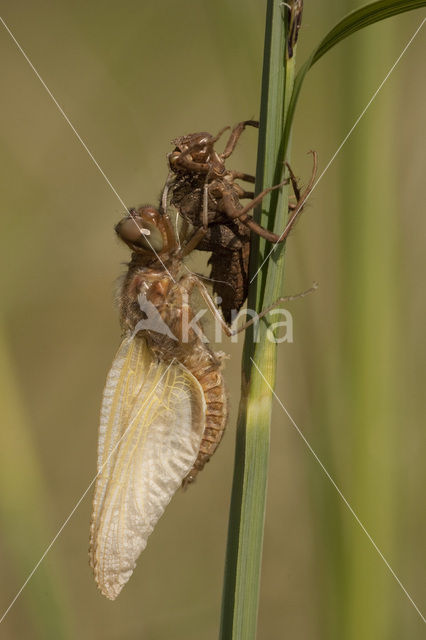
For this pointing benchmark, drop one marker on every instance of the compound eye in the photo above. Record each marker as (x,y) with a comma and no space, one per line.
(139,233)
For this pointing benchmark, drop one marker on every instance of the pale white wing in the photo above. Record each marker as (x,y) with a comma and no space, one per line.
(152,422)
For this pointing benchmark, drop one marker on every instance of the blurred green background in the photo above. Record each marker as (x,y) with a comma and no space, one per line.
(131,76)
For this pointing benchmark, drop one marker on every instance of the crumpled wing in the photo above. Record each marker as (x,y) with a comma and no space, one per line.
(152,422)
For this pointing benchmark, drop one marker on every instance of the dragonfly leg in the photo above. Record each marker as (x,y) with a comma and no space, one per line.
(235,135)
(216,314)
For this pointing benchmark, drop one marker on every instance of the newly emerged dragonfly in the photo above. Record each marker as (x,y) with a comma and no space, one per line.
(164,407)
(207,195)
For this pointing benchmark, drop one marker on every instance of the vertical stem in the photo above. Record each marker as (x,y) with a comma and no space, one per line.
(370,343)
(247,512)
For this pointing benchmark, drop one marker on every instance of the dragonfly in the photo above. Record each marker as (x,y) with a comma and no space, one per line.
(164,407)
(208,196)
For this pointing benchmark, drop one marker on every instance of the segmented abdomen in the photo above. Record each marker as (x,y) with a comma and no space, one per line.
(204,364)
(213,385)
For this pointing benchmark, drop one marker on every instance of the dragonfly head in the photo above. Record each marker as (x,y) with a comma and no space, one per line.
(147,232)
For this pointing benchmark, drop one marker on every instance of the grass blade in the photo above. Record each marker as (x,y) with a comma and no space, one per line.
(353,22)
(246,522)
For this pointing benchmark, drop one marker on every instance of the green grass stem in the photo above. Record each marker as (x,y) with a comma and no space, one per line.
(247,513)
(280,90)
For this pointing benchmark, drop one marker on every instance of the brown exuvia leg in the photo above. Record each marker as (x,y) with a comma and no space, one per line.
(241,193)
(193,241)
(234,212)
(300,198)
(185,162)
(246,195)
(235,135)
(232,332)
(240,175)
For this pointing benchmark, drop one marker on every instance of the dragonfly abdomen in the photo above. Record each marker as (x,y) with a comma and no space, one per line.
(213,386)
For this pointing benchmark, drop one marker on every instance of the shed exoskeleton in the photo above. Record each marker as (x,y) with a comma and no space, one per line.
(208,196)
